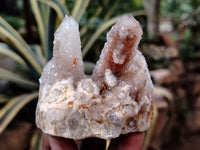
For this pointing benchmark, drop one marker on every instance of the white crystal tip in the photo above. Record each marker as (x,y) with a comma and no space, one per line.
(129,25)
(67,24)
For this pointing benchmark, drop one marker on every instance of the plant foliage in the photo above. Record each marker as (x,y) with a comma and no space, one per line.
(32,58)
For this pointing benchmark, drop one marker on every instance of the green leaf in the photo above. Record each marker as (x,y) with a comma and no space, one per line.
(10,110)
(84,29)
(60,9)
(96,14)
(6,50)
(14,20)
(7,75)
(111,10)
(76,8)
(40,24)
(36,141)
(53,20)
(10,35)
(137,3)
(38,52)
(88,67)
(79,9)
(82,9)
(100,30)
(58,6)
(3,99)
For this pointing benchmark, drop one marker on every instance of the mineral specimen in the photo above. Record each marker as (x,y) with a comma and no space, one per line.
(116,99)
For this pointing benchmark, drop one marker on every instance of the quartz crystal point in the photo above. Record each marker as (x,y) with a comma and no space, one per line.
(116,99)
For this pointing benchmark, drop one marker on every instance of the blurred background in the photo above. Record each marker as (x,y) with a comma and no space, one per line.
(170,44)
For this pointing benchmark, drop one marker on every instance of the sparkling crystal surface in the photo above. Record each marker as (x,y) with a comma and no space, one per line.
(116,99)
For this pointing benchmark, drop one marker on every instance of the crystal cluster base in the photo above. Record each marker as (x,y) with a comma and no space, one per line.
(116,99)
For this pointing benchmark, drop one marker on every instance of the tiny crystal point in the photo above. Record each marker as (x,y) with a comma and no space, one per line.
(116,99)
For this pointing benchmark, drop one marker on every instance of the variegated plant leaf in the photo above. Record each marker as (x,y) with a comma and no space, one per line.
(16,41)
(36,141)
(38,52)
(41,25)
(100,30)
(21,81)
(3,98)
(10,110)
(57,5)
(8,51)
(79,9)
(88,67)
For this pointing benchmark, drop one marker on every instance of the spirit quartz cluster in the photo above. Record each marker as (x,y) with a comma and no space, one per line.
(116,99)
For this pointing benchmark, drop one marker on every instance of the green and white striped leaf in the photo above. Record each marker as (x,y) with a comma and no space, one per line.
(84,29)
(10,110)
(16,41)
(3,98)
(21,81)
(7,51)
(36,141)
(38,52)
(61,11)
(88,67)
(76,8)
(79,9)
(40,24)
(58,6)
(100,30)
